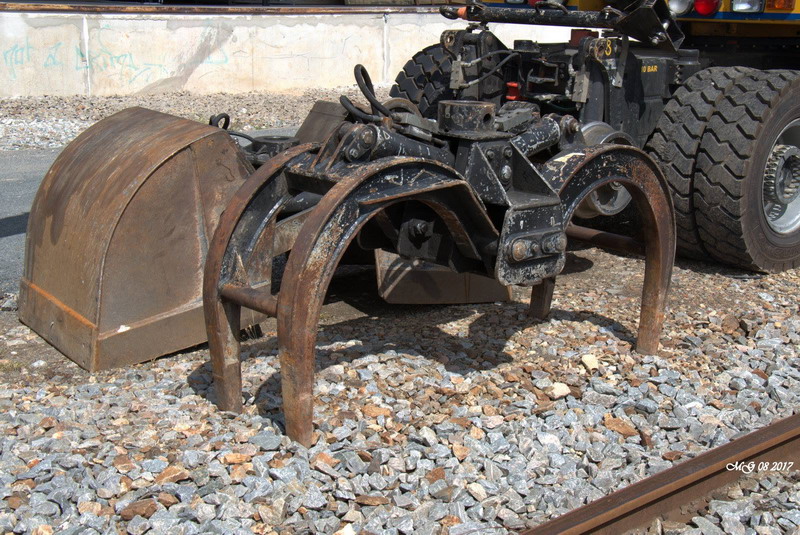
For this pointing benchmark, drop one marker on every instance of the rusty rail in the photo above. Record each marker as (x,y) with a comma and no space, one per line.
(638,504)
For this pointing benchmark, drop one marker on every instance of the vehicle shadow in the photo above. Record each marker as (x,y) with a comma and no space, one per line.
(628,224)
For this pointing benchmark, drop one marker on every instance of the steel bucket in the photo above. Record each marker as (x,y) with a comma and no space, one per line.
(118,234)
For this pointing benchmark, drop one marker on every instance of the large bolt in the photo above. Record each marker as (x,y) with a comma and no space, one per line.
(418,230)
(368,136)
(520,250)
(570,124)
(507,152)
(554,243)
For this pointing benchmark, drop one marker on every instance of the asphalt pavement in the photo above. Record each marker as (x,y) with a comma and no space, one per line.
(21,172)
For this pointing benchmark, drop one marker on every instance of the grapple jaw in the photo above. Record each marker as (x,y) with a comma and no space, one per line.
(447,202)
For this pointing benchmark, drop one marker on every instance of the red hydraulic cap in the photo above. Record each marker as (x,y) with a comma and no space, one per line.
(512,92)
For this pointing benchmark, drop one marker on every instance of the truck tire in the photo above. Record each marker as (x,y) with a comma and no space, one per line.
(747,184)
(675,142)
(425,80)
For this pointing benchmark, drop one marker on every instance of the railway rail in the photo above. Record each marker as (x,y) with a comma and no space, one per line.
(666,492)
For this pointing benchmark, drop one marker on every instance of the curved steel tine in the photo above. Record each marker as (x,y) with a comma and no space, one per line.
(223,318)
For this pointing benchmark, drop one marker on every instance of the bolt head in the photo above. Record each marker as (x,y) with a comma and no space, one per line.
(418,230)
(555,243)
(520,250)
(570,124)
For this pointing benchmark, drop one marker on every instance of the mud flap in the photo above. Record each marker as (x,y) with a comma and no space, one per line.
(423,283)
(118,235)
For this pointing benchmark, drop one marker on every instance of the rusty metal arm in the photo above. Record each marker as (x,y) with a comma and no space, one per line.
(222,300)
(330,228)
(605,240)
(581,172)
(251,298)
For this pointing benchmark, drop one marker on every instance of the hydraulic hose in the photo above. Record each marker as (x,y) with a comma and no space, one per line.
(365,84)
(358,113)
(487,74)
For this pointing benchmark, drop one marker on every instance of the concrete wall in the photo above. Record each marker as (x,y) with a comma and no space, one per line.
(117,54)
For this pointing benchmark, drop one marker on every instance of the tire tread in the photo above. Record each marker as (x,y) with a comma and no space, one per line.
(425,79)
(723,164)
(675,142)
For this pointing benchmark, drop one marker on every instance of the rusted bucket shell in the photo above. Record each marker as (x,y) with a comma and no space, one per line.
(118,234)
(405,282)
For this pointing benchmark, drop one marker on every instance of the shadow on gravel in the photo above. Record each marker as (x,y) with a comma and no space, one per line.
(388,327)
(627,223)
(576,264)
(709,268)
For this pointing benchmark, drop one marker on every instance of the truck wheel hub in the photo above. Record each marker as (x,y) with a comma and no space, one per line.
(781,200)
(782,177)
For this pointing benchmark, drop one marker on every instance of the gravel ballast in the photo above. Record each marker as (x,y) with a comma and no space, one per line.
(48,122)
(429,419)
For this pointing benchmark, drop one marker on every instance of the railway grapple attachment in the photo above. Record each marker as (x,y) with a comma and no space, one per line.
(121,248)
(480,190)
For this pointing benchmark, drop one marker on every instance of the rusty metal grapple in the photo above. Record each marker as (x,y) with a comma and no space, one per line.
(480,190)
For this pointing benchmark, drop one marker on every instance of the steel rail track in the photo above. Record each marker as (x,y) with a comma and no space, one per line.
(639,504)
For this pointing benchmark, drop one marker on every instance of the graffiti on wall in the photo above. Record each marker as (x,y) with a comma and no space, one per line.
(17,56)
(112,61)
(115,61)
(98,55)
